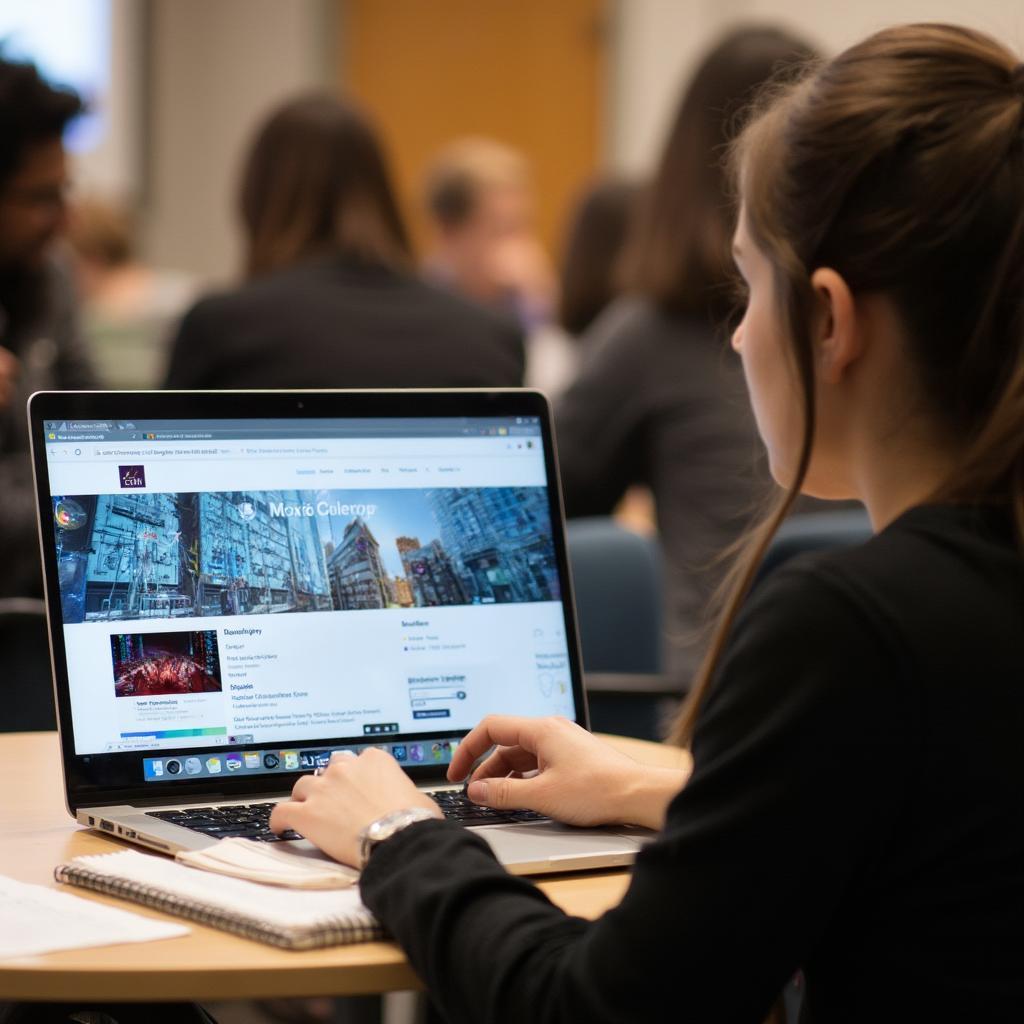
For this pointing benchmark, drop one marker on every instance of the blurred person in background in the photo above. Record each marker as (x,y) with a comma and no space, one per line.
(591,251)
(40,344)
(331,298)
(129,309)
(597,233)
(484,244)
(658,401)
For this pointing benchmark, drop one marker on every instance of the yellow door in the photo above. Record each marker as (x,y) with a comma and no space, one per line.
(530,73)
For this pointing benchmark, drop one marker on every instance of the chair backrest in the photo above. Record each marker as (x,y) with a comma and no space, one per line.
(25,666)
(814,531)
(617,578)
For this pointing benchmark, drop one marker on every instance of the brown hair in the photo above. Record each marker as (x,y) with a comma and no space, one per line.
(678,253)
(463,170)
(593,247)
(900,164)
(316,182)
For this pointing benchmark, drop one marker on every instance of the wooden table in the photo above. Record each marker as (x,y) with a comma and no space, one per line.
(37,833)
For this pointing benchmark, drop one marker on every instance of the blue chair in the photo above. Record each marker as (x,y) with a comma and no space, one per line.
(617,579)
(815,531)
(25,661)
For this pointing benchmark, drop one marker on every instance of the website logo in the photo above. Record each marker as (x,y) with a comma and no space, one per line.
(132,476)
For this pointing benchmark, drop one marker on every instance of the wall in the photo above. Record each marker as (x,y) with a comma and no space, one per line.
(215,68)
(657,42)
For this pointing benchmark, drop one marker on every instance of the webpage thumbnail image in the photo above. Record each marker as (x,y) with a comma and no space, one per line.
(138,556)
(158,664)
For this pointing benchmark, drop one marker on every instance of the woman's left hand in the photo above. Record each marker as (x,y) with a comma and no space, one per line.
(333,808)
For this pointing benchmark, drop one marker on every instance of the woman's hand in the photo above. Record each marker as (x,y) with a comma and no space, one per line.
(332,809)
(554,766)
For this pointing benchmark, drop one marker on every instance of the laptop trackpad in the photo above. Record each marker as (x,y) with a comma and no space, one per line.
(549,846)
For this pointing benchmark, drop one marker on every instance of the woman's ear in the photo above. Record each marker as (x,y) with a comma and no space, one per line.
(837,341)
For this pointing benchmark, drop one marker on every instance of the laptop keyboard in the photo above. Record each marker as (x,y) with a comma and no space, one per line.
(252,821)
(458,807)
(249,821)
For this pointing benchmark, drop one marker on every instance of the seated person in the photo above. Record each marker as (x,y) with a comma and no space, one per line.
(129,309)
(657,404)
(484,243)
(40,344)
(854,805)
(331,299)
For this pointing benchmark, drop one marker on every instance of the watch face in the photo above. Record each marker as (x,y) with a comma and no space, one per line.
(384,828)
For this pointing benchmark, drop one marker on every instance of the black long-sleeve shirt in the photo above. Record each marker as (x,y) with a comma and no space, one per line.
(337,323)
(855,810)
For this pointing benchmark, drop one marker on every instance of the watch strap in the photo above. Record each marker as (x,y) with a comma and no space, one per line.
(388,825)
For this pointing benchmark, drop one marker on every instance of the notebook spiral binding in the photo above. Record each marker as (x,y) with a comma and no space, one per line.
(332,932)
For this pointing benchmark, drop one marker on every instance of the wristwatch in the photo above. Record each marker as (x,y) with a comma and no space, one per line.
(385,827)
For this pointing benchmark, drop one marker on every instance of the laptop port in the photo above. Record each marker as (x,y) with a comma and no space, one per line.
(92,820)
(106,825)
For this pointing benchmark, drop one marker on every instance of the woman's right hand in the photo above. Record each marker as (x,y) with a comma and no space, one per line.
(555,767)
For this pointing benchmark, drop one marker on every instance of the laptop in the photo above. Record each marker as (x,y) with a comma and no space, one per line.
(239,584)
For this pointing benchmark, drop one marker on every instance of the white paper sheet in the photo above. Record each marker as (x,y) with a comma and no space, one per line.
(40,920)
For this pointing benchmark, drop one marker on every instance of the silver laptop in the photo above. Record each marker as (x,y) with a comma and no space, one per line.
(241,583)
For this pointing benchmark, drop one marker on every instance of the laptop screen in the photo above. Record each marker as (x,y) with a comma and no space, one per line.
(244,595)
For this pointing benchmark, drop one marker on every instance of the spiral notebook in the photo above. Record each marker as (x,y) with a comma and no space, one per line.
(288,918)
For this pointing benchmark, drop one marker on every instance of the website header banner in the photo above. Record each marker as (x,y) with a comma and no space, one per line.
(130,556)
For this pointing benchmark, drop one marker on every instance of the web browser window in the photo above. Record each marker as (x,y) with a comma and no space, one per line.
(235,582)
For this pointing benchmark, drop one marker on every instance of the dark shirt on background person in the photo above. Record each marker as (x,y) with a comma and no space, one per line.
(44,337)
(660,401)
(330,298)
(342,323)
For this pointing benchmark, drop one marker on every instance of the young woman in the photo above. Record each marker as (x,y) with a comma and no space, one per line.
(855,805)
(330,297)
(657,403)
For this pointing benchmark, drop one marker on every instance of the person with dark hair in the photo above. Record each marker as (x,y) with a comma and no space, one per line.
(598,229)
(656,404)
(331,299)
(854,806)
(40,344)
(588,282)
